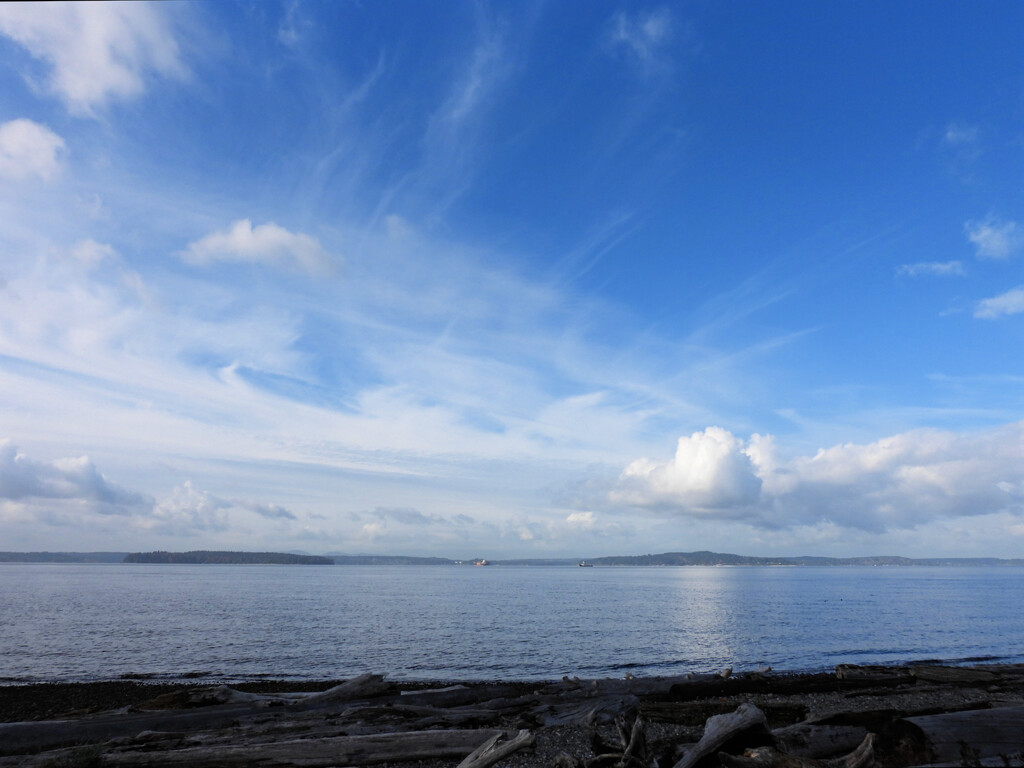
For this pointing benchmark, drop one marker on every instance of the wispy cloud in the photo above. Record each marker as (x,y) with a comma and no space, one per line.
(266,244)
(937,268)
(28,149)
(96,52)
(1009,303)
(645,35)
(455,129)
(960,134)
(994,238)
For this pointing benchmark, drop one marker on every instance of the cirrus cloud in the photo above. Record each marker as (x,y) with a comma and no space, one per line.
(937,268)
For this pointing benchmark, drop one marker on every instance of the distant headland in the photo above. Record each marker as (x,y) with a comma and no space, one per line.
(702,558)
(205,557)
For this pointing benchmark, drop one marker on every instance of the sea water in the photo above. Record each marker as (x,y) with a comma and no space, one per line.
(227,622)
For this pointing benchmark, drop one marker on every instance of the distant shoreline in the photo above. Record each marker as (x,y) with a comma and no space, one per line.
(701,558)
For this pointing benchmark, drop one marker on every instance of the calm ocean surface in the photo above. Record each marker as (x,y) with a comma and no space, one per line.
(87,622)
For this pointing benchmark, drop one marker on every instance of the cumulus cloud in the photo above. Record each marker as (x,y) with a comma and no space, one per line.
(710,472)
(96,52)
(1009,303)
(55,492)
(28,149)
(994,238)
(264,244)
(899,482)
(938,268)
(22,478)
(190,510)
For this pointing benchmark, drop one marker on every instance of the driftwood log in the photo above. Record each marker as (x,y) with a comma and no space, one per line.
(746,722)
(923,715)
(962,738)
(497,748)
(816,741)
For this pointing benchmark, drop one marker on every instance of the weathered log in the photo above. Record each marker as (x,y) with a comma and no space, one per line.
(205,696)
(584,712)
(722,729)
(954,675)
(810,740)
(460,695)
(366,686)
(697,712)
(316,753)
(956,736)
(497,748)
(769,757)
(35,736)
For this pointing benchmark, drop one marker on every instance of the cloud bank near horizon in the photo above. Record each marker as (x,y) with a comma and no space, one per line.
(900,482)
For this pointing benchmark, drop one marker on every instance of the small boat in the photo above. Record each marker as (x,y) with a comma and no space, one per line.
(585,564)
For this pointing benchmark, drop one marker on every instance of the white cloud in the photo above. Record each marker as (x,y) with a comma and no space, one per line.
(265,244)
(28,149)
(78,479)
(896,483)
(939,268)
(72,491)
(581,519)
(189,510)
(97,52)
(1009,303)
(709,472)
(994,238)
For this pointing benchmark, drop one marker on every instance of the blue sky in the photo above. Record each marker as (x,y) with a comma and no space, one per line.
(525,279)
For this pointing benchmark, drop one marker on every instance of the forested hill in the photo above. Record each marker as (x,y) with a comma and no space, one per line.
(719,558)
(203,557)
(62,557)
(389,560)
